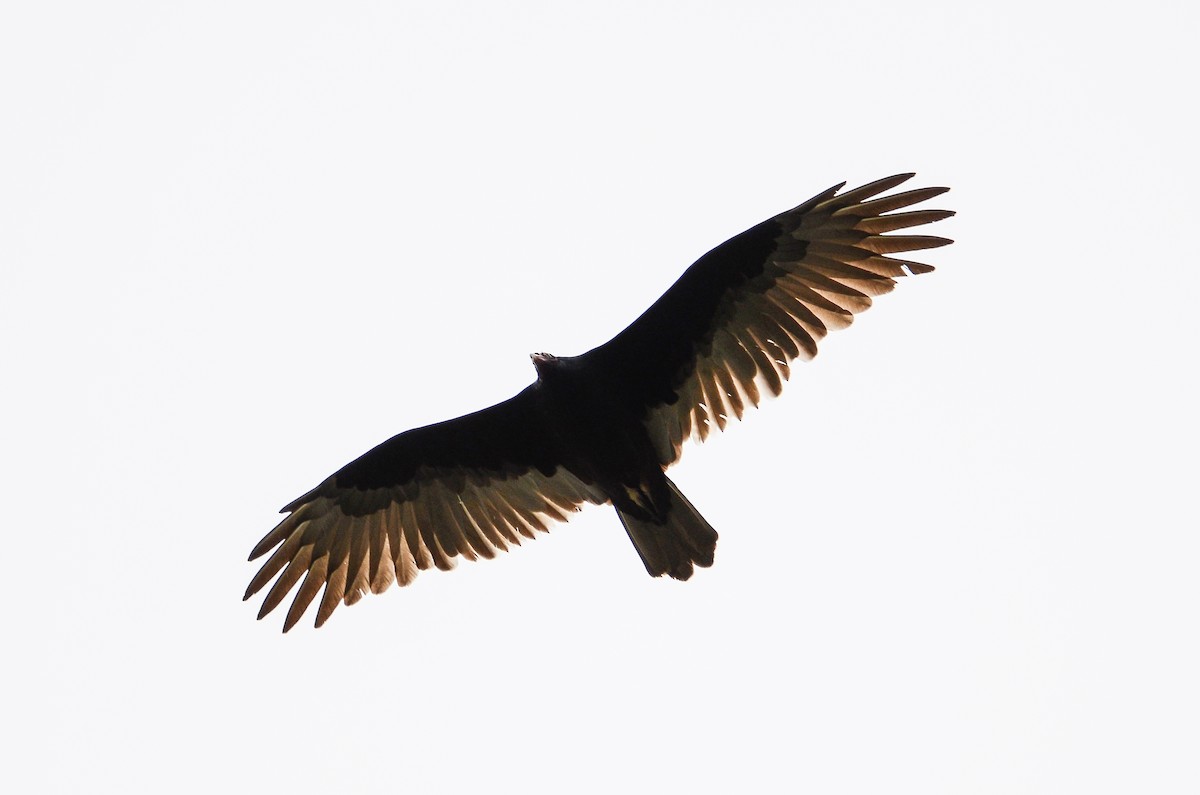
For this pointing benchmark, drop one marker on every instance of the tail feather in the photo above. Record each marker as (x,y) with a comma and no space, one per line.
(675,543)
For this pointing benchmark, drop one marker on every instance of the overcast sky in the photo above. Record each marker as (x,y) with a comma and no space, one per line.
(241,243)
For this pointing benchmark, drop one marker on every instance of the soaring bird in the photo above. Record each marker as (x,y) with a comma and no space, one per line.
(604,426)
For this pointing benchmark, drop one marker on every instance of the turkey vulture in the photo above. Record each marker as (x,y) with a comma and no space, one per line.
(603,427)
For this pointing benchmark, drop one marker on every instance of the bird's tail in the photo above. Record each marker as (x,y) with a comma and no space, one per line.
(673,542)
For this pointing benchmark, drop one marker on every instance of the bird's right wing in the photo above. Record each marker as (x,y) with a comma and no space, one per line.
(469,486)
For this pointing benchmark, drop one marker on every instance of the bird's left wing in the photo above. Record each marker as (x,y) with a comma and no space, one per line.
(469,486)
(737,318)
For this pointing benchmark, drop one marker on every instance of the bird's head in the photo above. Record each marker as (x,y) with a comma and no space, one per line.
(543,363)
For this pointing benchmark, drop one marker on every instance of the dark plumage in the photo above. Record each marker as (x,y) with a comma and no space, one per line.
(602,427)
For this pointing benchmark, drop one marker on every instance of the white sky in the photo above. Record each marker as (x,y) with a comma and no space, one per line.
(244,242)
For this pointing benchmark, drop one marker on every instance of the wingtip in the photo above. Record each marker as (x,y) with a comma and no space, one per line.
(871,189)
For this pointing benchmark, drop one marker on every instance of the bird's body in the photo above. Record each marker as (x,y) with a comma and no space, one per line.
(600,433)
(604,426)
